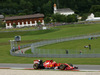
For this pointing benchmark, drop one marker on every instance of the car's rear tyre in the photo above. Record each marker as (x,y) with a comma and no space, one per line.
(35,66)
(62,67)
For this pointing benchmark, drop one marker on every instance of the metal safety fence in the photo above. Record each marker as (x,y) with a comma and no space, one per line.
(58,53)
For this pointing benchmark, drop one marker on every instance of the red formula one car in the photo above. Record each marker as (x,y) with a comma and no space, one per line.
(50,64)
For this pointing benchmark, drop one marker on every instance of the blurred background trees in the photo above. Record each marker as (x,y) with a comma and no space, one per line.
(25,7)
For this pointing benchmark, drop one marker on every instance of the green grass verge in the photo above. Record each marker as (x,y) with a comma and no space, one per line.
(24,33)
(63,31)
(5,57)
(15,29)
(74,47)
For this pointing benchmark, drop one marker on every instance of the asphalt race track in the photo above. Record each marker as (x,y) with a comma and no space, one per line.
(22,66)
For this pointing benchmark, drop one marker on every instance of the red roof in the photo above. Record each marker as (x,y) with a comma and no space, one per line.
(24,17)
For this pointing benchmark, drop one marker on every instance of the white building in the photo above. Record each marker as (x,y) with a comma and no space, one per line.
(65,11)
(91,17)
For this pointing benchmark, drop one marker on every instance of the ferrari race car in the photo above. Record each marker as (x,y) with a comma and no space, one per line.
(50,64)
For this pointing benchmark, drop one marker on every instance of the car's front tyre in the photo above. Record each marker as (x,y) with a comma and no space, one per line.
(35,66)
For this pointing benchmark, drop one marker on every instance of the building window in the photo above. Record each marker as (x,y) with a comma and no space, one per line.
(7,24)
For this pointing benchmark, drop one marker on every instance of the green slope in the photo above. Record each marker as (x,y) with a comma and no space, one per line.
(60,32)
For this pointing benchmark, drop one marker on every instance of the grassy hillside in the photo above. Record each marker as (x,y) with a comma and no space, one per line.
(74,47)
(60,32)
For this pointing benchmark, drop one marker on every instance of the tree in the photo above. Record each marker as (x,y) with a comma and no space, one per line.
(38,9)
(97,14)
(47,19)
(21,14)
(15,7)
(2,24)
(59,18)
(47,8)
(84,16)
(63,18)
(95,8)
(72,18)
